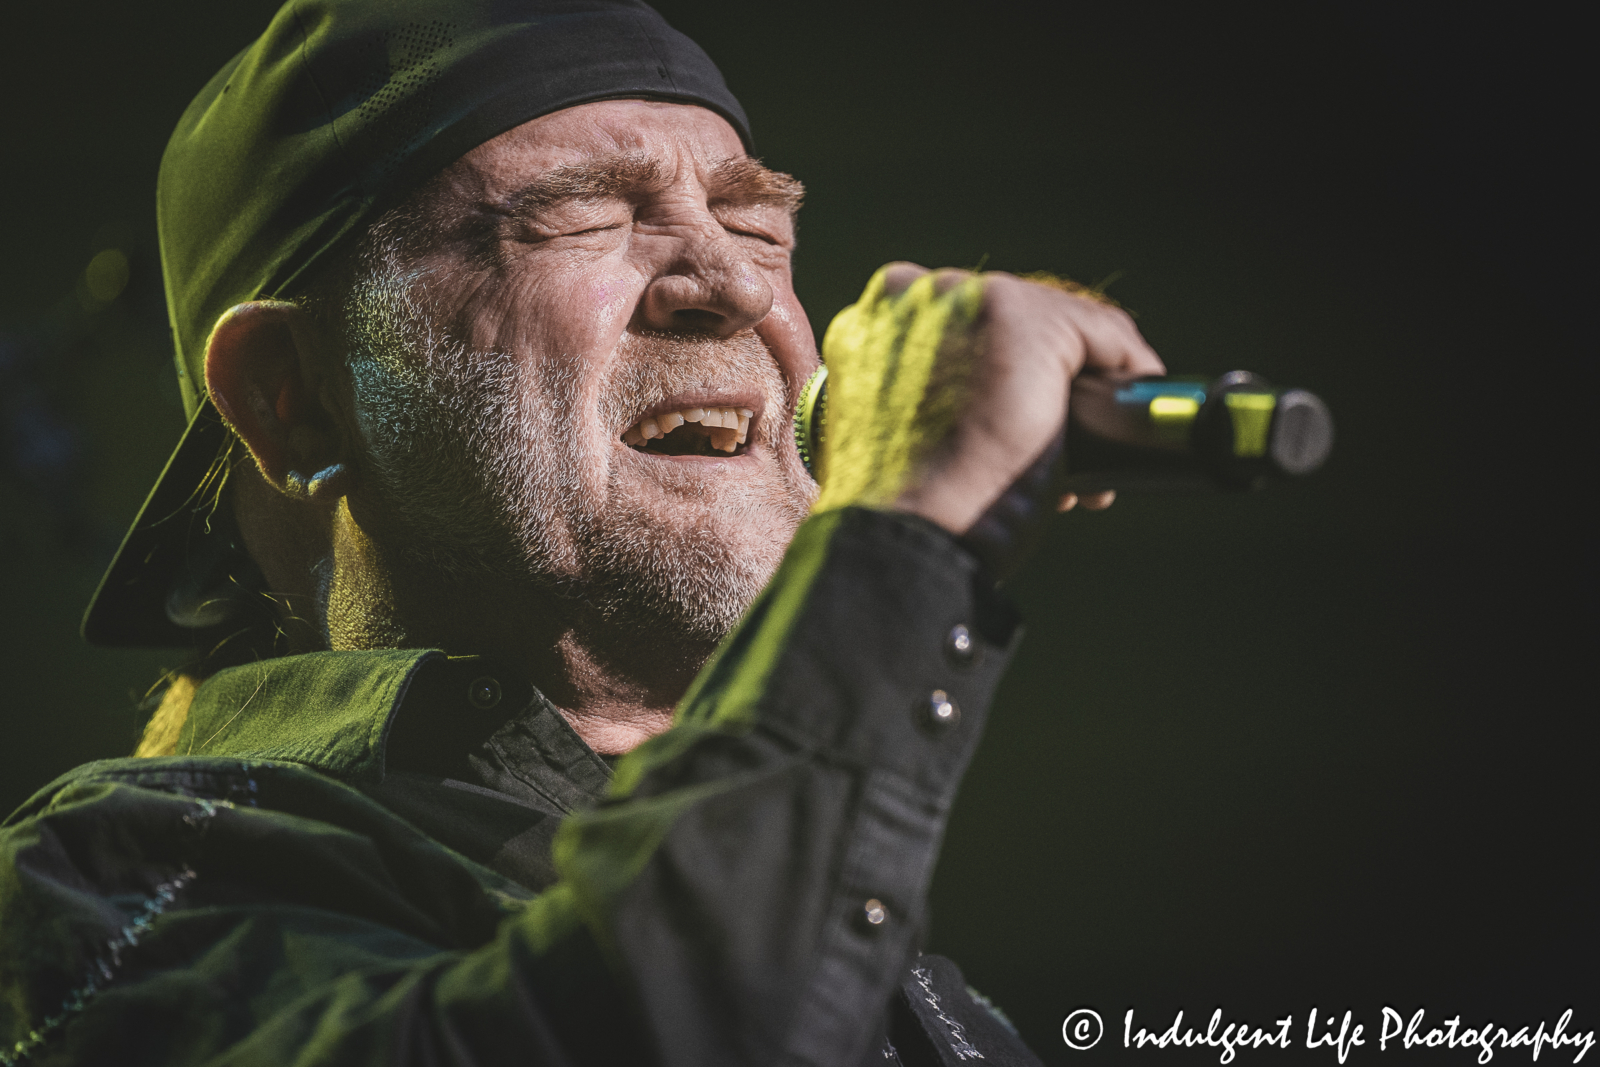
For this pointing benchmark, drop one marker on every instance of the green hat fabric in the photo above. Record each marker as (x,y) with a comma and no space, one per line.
(293,149)
(344,106)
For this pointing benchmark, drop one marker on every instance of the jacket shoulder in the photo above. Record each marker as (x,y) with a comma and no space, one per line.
(124,868)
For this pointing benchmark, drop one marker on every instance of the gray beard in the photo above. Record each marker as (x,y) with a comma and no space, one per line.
(480,476)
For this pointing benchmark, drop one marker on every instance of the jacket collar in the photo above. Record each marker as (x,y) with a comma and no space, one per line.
(331,710)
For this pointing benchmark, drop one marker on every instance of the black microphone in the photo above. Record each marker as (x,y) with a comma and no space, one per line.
(1237,432)
(1160,434)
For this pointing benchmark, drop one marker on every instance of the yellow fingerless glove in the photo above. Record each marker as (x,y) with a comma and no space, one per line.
(896,383)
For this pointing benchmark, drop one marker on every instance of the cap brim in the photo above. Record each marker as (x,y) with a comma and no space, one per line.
(129,608)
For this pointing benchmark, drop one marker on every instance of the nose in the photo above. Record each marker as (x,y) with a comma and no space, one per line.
(710,287)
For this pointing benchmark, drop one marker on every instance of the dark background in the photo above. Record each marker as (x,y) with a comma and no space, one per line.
(1323,746)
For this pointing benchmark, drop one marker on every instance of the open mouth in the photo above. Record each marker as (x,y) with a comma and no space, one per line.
(692,431)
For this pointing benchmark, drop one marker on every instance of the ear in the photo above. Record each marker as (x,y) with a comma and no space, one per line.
(264,374)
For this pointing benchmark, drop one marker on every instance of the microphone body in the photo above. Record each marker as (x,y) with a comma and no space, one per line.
(1159,434)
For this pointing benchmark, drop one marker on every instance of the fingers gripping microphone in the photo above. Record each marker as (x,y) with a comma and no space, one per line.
(1237,432)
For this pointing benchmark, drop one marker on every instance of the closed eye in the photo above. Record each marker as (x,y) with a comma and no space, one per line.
(540,234)
(744,232)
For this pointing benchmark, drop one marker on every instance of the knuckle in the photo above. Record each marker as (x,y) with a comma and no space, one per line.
(1004,291)
(899,275)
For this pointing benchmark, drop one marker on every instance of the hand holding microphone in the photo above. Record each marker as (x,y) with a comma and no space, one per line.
(944,387)
(946,396)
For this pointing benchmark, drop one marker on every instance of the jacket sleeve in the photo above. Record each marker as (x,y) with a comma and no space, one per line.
(751,893)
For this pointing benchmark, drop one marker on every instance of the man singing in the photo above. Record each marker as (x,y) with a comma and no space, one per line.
(544,709)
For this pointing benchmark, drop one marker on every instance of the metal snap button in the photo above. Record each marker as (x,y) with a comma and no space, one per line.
(960,647)
(484,692)
(941,711)
(874,912)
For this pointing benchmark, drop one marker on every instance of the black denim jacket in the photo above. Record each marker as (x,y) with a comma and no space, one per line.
(399,857)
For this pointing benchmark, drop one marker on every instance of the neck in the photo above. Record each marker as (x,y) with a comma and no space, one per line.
(615,689)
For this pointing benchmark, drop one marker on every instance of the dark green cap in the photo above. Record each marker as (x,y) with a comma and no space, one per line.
(296,146)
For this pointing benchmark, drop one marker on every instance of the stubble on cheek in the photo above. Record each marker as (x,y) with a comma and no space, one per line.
(690,544)
(495,467)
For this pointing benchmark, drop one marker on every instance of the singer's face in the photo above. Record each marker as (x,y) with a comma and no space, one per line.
(602,325)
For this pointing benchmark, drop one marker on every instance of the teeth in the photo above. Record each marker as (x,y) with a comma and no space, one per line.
(729,427)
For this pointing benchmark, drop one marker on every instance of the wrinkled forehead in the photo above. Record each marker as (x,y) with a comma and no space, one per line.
(613,147)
